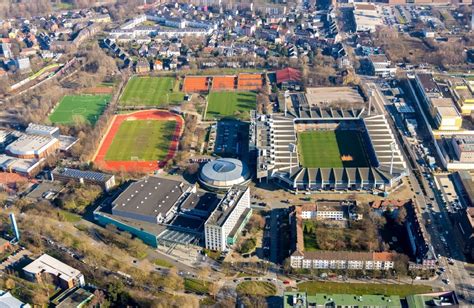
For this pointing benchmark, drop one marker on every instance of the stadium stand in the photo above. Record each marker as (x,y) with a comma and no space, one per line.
(196,84)
(223,82)
(249,81)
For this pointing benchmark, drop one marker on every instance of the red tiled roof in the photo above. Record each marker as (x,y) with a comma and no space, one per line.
(288,74)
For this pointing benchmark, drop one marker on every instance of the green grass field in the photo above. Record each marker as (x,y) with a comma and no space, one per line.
(323,149)
(230,105)
(151,91)
(259,288)
(402,290)
(141,140)
(79,109)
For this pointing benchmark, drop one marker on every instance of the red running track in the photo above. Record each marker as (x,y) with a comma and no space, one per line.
(137,166)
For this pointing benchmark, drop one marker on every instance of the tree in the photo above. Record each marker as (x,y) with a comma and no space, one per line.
(401,216)
(401,264)
(10,284)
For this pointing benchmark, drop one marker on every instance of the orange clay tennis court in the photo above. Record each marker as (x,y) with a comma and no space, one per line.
(137,166)
(223,83)
(249,82)
(196,84)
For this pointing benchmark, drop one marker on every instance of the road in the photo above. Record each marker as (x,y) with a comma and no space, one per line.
(440,227)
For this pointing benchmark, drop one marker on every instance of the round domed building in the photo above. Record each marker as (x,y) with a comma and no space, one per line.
(223,173)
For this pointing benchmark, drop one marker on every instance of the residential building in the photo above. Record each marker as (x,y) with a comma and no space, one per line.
(142,66)
(465,219)
(346,260)
(6,51)
(227,220)
(418,238)
(329,210)
(4,245)
(463,147)
(104,180)
(23,64)
(63,275)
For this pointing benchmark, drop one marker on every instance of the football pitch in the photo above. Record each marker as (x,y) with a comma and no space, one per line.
(230,105)
(79,109)
(324,149)
(151,91)
(141,140)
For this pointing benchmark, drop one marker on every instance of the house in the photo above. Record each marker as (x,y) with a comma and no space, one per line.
(62,275)
(4,245)
(158,65)
(142,66)
(23,64)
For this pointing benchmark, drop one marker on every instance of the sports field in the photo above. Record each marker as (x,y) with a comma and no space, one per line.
(151,91)
(230,105)
(324,149)
(79,109)
(141,140)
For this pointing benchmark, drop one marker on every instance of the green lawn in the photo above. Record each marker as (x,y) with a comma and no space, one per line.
(151,91)
(162,263)
(141,140)
(260,288)
(323,149)
(79,109)
(196,285)
(310,243)
(70,217)
(402,290)
(230,104)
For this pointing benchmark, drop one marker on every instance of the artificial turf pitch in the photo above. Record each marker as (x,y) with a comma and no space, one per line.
(79,109)
(323,149)
(151,91)
(141,140)
(230,104)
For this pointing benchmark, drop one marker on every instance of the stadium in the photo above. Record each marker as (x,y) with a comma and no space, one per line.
(141,141)
(325,141)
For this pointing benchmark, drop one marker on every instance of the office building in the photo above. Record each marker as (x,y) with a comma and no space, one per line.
(227,220)
(61,274)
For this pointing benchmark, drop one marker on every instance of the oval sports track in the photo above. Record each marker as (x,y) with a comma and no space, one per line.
(138,166)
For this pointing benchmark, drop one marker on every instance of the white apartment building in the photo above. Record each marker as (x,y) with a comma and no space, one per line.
(229,217)
(342,260)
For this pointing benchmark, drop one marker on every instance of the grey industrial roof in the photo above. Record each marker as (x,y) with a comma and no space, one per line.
(150,196)
(201,201)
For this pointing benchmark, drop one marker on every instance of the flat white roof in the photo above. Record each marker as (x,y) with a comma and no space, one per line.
(48,264)
(30,145)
